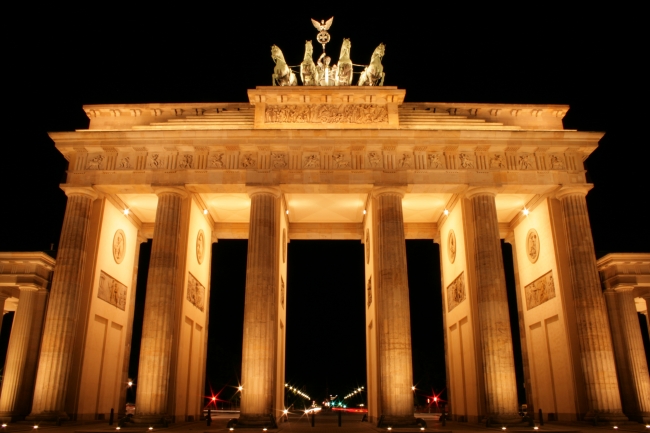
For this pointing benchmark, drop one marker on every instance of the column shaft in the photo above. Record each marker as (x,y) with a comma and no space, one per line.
(597,354)
(393,313)
(158,322)
(63,307)
(258,352)
(631,364)
(493,314)
(22,355)
(258,361)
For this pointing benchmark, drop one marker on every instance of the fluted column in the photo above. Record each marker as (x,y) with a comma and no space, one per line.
(258,361)
(22,355)
(631,364)
(494,318)
(646,298)
(3,298)
(63,308)
(159,306)
(393,310)
(597,354)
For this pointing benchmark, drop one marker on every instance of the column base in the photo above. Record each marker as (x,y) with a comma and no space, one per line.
(11,417)
(397,421)
(48,417)
(158,421)
(251,420)
(606,418)
(503,419)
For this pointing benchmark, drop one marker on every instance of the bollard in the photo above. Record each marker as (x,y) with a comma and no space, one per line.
(541,417)
(110,419)
(444,415)
(339,418)
(313,419)
(209,419)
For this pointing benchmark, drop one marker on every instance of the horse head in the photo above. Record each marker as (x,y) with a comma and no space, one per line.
(276,53)
(379,51)
(345,49)
(309,50)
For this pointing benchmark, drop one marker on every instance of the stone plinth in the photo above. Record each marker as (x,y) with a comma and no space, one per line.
(326,107)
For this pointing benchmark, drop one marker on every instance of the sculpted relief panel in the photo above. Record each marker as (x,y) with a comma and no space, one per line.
(111,291)
(119,246)
(451,246)
(532,245)
(248,158)
(326,113)
(540,291)
(195,292)
(456,292)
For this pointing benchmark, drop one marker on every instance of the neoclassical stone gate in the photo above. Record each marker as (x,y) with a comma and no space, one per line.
(330,163)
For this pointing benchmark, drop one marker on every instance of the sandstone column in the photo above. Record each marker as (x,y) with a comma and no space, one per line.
(22,355)
(3,298)
(393,310)
(494,318)
(597,354)
(258,361)
(159,321)
(631,364)
(63,307)
(646,298)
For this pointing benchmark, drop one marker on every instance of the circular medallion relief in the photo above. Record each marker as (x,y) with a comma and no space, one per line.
(119,246)
(367,246)
(284,245)
(200,246)
(532,245)
(451,246)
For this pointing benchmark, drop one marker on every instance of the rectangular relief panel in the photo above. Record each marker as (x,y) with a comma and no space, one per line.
(540,290)
(195,292)
(112,291)
(456,292)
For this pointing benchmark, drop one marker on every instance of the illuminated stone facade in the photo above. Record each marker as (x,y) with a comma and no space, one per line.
(330,163)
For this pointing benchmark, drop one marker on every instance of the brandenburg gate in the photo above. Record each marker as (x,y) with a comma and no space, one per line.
(337,162)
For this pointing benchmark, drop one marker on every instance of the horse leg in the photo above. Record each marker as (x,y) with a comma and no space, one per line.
(383,74)
(274,77)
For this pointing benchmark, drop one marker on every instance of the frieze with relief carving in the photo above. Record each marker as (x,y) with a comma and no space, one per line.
(195,292)
(456,292)
(539,291)
(326,113)
(111,291)
(119,246)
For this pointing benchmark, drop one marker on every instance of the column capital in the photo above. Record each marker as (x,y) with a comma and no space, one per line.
(29,288)
(177,190)
(272,190)
(481,190)
(87,191)
(566,190)
(382,190)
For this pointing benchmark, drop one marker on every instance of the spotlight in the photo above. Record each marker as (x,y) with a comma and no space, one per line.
(364,211)
(503,428)
(126,212)
(446,212)
(525,212)
(205,211)
(287,211)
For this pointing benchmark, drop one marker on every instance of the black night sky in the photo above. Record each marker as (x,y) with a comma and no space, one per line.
(58,59)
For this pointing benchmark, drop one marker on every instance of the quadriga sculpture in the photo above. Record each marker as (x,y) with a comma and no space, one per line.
(308,70)
(373,75)
(282,75)
(344,70)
